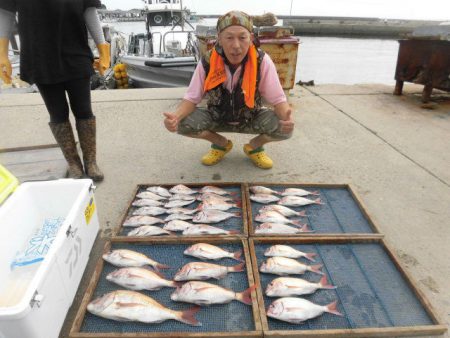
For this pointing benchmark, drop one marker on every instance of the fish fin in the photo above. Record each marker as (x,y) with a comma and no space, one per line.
(316,268)
(119,304)
(298,223)
(204,288)
(302,213)
(188,316)
(332,308)
(246,295)
(159,274)
(177,285)
(161,266)
(318,201)
(310,256)
(233,232)
(315,192)
(238,204)
(306,228)
(324,283)
(237,255)
(237,268)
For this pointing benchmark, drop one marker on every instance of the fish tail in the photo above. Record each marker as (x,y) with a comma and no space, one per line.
(315,192)
(236,268)
(238,204)
(246,295)
(332,308)
(306,228)
(176,284)
(237,255)
(188,316)
(233,193)
(302,213)
(233,232)
(298,223)
(310,256)
(237,214)
(318,201)
(316,268)
(324,283)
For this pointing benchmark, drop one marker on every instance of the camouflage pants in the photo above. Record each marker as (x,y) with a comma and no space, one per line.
(264,121)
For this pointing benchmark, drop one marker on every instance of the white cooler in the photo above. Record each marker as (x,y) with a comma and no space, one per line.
(37,299)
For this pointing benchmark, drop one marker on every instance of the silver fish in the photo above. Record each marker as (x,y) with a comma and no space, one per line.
(151,211)
(178,203)
(297,201)
(287,286)
(163,192)
(182,197)
(128,258)
(209,251)
(204,271)
(297,310)
(215,190)
(214,198)
(140,279)
(204,229)
(202,293)
(124,305)
(145,202)
(298,192)
(135,221)
(279,228)
(177,225)
(182,189)
(184,211)
(283,266)
(280,250)
(148,230)
(149,195)
(285,211)
(264,198)
(224,206)
(258,189)
(172,217)
(214,216)
(274,217)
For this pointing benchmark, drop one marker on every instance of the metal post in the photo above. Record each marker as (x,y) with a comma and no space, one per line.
(290,11)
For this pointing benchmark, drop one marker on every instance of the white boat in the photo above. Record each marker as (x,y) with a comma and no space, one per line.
(166,55)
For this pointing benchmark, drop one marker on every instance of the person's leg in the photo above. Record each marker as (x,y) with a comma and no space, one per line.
(201,124)
(267,125)
(79,92)
(54,97)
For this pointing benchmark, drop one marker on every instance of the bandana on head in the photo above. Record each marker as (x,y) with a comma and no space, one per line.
(235,18)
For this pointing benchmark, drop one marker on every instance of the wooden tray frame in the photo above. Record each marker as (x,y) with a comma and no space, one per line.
(244,218)
(251,230)
(76,325)
(438,328)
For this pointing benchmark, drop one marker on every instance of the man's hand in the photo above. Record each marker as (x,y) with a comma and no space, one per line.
(287,124)
(171,122)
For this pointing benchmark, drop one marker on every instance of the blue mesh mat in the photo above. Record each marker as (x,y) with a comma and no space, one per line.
(339,213)
(233,223)
(234,316)
(371,292)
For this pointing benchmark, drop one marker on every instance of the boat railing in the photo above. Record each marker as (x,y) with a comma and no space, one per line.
(189,41)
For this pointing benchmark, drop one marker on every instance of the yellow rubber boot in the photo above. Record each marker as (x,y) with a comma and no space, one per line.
(216,153)
(258,157)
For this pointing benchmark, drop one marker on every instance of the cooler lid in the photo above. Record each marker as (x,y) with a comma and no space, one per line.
(8,183)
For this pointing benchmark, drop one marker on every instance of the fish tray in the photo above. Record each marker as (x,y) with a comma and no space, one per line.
(342,213)
(234,223)
(231,320)
(374,293)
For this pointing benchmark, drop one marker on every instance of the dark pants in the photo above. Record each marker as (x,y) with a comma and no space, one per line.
(79,92)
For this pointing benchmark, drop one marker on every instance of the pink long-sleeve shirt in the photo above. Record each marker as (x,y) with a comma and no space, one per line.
(269,84)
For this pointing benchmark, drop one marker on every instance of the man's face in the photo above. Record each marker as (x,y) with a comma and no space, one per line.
(235,41)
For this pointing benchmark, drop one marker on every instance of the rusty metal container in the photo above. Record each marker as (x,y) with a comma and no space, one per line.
(423,61)
(282,47)
(277,41)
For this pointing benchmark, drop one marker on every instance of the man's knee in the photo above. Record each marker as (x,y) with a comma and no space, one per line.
(194,124)
(269,124)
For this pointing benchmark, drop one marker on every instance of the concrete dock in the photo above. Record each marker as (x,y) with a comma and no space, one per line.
(393,152)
